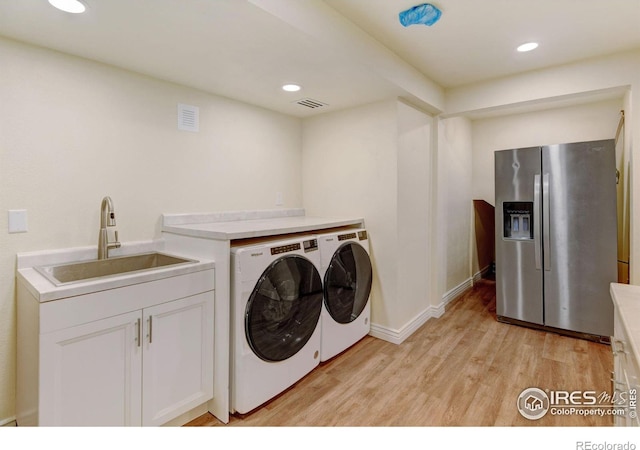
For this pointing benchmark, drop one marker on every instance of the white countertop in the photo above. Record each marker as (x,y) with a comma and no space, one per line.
(44,290)
(260,227)
(626,299)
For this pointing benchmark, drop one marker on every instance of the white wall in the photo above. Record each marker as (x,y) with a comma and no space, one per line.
(585,122)
(374,161)
(567,82)
(588,79)
(415,213)
(349,167)
(73,131)
(455,201)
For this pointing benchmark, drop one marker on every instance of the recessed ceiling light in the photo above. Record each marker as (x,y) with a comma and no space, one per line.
(70,6)
(291,87)
(527,47)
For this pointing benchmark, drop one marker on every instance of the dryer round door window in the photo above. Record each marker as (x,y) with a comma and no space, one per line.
(284,308)
(347,282)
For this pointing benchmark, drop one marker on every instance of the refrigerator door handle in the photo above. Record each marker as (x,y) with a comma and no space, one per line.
(546,220)
(536,221)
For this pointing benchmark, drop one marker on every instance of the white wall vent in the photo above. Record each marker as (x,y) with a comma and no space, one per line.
(310,103)
(188,117)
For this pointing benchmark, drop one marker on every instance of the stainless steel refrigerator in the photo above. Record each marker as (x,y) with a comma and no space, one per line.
(556,242)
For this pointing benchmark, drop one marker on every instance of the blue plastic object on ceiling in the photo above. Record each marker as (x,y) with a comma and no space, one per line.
(425,14)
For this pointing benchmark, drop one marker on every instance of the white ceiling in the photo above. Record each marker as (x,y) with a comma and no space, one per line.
(475,40)
(246,49)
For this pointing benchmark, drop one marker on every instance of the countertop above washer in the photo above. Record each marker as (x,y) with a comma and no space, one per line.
(250,224)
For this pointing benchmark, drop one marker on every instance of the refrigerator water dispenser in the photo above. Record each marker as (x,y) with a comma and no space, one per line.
(518,220)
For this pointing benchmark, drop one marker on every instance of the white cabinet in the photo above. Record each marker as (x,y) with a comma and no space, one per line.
(136,355)
(625,345)
(626,373)
(177,358)
(94,374)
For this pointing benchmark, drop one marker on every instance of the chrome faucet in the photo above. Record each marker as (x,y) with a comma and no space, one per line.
(107,219)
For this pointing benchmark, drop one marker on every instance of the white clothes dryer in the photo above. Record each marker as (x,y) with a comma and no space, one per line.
(347,277)
(276,296)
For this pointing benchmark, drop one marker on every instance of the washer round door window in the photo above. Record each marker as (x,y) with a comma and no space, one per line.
(284,308)
(347,282)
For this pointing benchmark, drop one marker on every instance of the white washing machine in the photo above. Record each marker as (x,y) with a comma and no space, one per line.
(276,296)
(347,276)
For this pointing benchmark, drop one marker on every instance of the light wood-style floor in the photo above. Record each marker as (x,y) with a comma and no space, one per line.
(464,368)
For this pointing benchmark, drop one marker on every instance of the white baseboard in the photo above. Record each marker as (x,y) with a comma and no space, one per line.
(8,422)
(457,291)
(187,417)
(398,336)
(178,421)
(478,275)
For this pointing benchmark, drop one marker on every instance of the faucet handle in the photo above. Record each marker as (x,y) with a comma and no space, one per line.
(116,242)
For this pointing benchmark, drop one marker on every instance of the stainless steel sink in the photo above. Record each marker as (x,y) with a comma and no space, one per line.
(60,274)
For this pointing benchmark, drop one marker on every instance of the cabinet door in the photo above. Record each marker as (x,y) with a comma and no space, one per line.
(177,357)
(90,375)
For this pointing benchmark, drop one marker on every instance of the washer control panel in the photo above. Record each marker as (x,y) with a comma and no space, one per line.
(344,237)
(310,245)
(285,248)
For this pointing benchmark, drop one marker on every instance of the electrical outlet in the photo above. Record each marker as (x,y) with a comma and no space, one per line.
(279,201)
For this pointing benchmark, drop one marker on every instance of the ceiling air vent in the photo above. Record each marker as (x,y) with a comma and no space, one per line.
(310,103)
(188,117)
